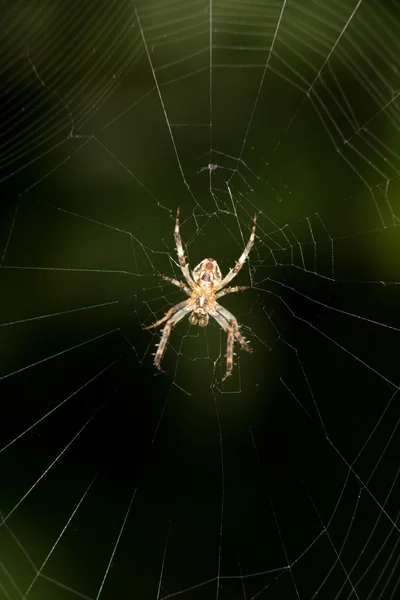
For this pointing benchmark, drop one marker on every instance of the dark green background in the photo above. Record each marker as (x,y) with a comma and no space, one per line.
(282,482)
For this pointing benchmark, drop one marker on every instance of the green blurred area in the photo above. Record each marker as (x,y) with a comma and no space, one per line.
(109,123)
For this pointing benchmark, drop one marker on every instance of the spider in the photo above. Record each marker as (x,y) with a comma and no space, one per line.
(204,288)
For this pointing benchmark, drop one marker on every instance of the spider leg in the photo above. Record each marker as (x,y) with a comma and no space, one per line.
(167,330)
(231,290)
(171,311)
(233,272)
(229,355)
(181,255)
(228,316)
(175,282)
(226,326)
(230,325)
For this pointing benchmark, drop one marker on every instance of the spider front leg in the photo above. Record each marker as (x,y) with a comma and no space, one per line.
(181,255)
(233,272)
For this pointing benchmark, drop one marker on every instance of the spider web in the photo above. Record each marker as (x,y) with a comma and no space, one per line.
(118,481)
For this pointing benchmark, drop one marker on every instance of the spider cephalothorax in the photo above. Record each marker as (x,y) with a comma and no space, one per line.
(204,289)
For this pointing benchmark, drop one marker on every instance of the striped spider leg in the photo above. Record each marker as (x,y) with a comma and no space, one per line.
(233,272)
(175,314)
(229,323)
(204,289)
(181,255)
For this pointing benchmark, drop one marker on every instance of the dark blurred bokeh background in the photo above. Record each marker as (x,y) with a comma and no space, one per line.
(119,482)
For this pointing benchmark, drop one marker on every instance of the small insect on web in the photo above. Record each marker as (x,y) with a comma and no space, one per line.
(204,288)
(210,167)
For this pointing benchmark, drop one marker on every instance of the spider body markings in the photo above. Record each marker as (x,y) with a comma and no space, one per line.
(204,287)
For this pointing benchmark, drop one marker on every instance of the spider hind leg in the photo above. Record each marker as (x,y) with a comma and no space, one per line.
(228,322)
